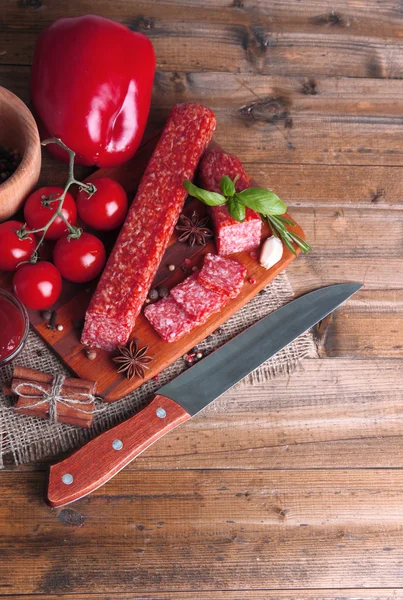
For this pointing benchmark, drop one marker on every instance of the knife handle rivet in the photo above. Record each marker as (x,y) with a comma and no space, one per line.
(67,478)
(117,444)
(161,413)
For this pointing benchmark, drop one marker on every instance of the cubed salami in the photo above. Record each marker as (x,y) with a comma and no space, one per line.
(147,230)
(197,300)
(231,235)
(222,275)
(169,319)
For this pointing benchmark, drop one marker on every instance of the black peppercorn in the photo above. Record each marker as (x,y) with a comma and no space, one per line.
(153,294)
(163,292)
(9,161)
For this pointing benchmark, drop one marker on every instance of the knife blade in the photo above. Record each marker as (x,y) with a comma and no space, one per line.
(104,456)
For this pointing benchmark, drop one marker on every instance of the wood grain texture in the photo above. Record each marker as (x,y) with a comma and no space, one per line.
(290,120)
(356,39)
(275,119)
(182,530)
(309,95)
(339,594)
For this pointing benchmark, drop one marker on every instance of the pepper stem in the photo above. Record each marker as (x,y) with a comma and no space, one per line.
(74,232)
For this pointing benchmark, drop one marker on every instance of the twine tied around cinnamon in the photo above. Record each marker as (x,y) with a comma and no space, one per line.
(54,397)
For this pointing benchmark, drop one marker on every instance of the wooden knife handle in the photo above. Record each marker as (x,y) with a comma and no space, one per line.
(104,456)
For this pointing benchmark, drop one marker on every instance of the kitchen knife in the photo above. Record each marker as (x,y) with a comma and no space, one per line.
(104,456)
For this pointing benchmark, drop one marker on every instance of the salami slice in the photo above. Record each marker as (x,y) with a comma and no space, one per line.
(169,319)
(197,300)
(222,275)
(231,235)
(147,230)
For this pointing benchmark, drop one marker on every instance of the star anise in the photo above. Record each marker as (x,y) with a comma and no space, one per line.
(194,230)
(133,360)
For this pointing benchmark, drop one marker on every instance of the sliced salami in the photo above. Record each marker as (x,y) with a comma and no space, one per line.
(147,230)
(194,300)
(197,300)
(222,275)
(169,319)
(231,235)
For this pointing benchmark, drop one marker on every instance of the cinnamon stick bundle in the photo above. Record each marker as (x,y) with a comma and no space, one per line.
(79,413)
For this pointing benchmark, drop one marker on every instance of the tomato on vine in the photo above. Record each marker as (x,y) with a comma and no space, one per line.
(79,260)
(106,208)
(50,214)
(42,205)
(38,285)
(13,249)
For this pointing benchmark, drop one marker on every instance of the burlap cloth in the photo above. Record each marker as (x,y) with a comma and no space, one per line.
(29,439)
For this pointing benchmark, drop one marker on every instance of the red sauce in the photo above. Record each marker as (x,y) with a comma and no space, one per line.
(11,327)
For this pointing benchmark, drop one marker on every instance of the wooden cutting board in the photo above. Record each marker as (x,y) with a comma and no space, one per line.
(74,300)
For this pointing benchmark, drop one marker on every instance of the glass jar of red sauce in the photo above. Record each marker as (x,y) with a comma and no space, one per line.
(14,326)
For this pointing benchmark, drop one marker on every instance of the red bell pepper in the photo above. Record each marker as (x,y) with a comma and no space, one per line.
(91,86)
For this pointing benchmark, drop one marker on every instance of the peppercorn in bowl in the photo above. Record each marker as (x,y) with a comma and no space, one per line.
(20,153)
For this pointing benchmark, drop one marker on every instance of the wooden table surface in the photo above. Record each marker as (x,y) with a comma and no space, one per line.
(292,489)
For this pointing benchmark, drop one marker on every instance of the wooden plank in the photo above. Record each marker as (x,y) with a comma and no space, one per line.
(351,232)
(376,274)
(322,95)
(356,40)
(338,594)
(365,14)
(351,330)
(362,15)
(227,529)
(313,139)
(330,414)
(332,186)
(265,120)
(335,95)
(352,245)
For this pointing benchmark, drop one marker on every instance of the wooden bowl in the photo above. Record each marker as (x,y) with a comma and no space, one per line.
(18,130)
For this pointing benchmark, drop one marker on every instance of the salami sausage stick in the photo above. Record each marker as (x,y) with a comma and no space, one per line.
(147,230)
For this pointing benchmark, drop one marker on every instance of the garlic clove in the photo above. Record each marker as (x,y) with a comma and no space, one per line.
(271,252)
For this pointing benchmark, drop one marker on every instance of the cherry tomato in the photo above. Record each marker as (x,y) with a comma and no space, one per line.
(12,249)
(79,260)
(106,208)
(38,286)
(37,213)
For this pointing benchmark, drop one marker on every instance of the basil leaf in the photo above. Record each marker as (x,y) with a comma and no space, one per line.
(209,198)
(236,209)
(262,201)
(227,186)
